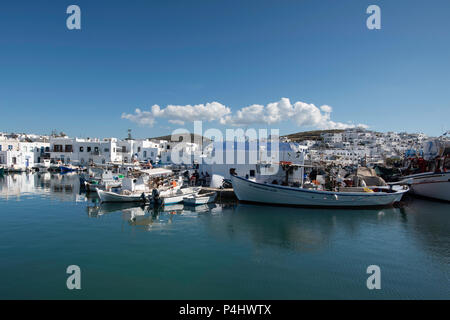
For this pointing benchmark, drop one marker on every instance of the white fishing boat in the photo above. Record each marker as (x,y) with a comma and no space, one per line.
(93,185)
(178,195)
(251,191)
(99,178)
(200,199)
(433,179)
(430,185)
(43,166)
(124,196)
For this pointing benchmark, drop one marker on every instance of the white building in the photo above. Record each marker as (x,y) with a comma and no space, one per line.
(87,151)
(253,160)
(18,153)
(331,137)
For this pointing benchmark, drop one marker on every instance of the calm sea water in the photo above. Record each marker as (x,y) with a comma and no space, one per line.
(231,251)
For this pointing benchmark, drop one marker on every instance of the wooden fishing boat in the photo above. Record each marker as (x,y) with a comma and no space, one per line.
(108,196)
(178,195)
(200,199)
(251,191)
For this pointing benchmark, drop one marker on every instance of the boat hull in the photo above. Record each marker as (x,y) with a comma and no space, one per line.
(179,195)
(107,196)
(247,190)
(431,185)
(199,200)
(92,187)
(67,169)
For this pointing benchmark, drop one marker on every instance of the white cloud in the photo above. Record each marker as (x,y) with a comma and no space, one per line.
(326,109)
(179,114)
(301,113)
(177,122)
(140,117)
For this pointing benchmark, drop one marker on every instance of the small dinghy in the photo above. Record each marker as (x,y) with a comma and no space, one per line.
(200,199)
(108,196)
(93,185)
(178,195)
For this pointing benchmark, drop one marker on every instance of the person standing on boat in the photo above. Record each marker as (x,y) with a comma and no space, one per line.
(197,177)
(202,179)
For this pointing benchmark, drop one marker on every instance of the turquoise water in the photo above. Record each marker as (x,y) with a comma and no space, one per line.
(231,251)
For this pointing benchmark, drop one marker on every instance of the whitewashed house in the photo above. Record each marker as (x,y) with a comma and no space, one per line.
(20,154)
(253,160)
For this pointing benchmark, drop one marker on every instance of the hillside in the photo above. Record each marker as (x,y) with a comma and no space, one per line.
(193,137)
(309,135)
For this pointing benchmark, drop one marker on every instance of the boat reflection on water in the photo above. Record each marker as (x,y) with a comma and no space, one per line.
(62,187)
(137,214)
(299,229)
(430,224)
(98,209)
(207,208)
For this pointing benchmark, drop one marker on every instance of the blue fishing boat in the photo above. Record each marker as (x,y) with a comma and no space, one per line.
(65,169)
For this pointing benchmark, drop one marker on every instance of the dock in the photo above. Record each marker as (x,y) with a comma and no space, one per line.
(227,193)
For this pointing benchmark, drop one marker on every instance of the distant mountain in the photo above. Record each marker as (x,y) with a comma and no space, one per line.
(310,135)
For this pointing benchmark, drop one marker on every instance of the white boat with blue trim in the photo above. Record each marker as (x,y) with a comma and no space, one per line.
(252,191)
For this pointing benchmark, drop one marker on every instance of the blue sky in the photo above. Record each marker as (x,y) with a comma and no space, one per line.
(135,54)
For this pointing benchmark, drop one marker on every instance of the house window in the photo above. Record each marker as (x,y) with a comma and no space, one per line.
(10,147)
(106,149)
(88,149)
(81,149)
(252,173)
(145,154)
(96,149)
(0,147)
(68,148)
(139,149)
